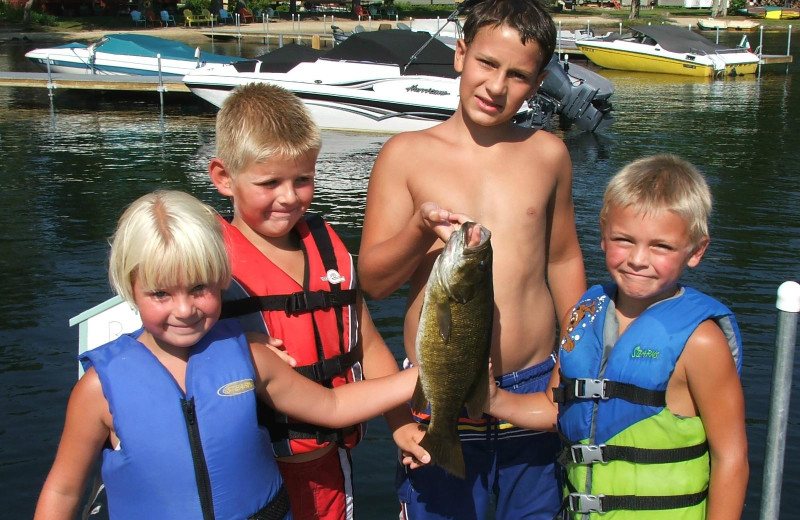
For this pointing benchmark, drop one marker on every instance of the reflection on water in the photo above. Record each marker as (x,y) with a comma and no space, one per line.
(70,171)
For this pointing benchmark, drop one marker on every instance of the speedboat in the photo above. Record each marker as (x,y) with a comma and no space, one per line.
(668,49)
(395,81)
(126,54)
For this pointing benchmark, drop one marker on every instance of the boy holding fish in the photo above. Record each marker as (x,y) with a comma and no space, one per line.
(651,405)
(516,182)
(172,406)
(294,280)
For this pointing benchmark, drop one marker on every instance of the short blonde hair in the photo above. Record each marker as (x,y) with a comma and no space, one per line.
(165,239)
(662,182)
(259,121)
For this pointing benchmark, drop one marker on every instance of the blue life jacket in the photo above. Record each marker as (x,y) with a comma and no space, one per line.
(195,456)
(625,447)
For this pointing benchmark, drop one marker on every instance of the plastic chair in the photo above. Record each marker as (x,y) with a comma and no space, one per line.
(189,18)
(374,13)
(245,15)
(151,18)
(137,18)
(224,17)
(391,12)
(167,18)
(272,13)
(206,16)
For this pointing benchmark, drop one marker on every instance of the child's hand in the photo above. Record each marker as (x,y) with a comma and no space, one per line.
(407,438)
(492,394)
(273,344)
(441,221)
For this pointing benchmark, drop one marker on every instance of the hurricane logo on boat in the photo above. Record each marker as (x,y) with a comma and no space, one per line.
(417,88)
(236,388)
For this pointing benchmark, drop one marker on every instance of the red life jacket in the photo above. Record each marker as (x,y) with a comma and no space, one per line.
(317,321)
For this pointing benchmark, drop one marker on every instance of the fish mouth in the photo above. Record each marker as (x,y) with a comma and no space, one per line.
(482,244)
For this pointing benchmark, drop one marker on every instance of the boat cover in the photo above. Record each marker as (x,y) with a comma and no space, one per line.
(150,46)
(397,47)
(680,39)
(282,59)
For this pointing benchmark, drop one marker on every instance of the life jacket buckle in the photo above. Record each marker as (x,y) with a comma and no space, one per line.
(585,504)
(586,388)
(587,453)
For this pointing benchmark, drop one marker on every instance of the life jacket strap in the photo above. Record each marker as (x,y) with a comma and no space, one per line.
(585,454)
(587,388)
(294,303)
(276,509)
(581,503)
(282,431)
(326,369)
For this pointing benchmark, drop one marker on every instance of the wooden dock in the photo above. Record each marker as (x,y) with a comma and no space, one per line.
(93,82)
(770,59)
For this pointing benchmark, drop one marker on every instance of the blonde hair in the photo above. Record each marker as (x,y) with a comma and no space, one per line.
(259,121)
(165,239)
(658,183)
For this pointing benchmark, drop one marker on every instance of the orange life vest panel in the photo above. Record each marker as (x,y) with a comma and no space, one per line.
(317,321)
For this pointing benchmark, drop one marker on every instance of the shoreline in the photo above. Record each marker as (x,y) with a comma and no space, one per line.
(311,26)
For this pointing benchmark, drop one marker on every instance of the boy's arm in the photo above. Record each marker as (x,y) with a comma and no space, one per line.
(717,393)
(535,411)
(378,361)
(82,439)
(395,236)
(566,276)
(281,387)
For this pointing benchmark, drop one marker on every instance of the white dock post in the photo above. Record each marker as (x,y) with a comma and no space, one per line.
(788,46)
(588,30)
(50,84)
(558,38)
(369,22)
(717,42)
(620,28)
(324,24)
(160,87)
(788,304)
(760,47)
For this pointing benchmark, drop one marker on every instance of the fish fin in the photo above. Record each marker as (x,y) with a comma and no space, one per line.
(443,319)
(476,399)
(445,452)
(419,403)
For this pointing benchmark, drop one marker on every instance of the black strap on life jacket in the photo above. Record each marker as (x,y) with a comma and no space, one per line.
(585,454)
(276,509)
(294,303)
(587,388)
(581,503)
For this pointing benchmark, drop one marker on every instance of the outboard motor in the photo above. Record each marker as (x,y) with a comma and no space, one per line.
(580,97)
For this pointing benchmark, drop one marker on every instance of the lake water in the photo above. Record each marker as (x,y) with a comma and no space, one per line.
(72,166)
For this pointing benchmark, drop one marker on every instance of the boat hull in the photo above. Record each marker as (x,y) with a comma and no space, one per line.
(623,59)
(389,107)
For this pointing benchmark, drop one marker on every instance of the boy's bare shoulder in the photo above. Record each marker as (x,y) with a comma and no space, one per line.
(706,347)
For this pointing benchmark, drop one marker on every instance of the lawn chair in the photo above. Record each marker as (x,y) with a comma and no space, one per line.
(167,18)
(272,13)
(391,12)
(374,12)
(245,15)
(137,18)
(189,18)
(207,16)
(224,17)
(152,19)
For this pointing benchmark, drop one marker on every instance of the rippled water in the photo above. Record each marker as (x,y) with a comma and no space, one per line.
(70,168)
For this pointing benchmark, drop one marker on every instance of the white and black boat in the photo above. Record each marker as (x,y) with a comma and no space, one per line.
(395,81)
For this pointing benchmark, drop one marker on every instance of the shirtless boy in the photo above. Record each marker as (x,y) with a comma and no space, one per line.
(516,182)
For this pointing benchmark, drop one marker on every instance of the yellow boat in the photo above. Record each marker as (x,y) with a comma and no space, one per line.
(669,50)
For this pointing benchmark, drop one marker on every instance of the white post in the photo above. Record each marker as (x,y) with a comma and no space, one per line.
(788,304)
(324,24)
(620,27)
(369,18)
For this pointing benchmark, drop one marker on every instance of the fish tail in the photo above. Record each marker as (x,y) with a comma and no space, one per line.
(445,452)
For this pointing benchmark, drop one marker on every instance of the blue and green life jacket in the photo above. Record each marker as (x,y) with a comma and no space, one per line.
(627,455)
